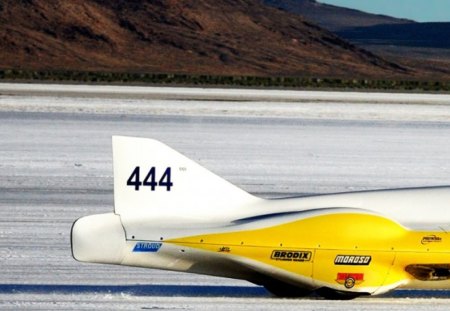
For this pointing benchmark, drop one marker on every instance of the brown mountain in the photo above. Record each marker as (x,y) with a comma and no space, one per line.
(237,37)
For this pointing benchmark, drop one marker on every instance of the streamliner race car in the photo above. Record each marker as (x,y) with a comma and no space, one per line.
(171,213)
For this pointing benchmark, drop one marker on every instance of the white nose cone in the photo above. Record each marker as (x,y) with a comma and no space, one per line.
(98,239)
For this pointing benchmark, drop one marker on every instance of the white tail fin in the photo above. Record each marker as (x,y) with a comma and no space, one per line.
(153,181)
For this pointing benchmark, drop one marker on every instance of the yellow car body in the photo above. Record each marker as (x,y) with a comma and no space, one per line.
(172,214)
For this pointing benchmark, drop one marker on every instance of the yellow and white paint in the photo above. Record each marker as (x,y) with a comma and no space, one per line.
(173,214)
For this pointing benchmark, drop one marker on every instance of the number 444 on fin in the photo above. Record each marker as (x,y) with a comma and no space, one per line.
(150,179)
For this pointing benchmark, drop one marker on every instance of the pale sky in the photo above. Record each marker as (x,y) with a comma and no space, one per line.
(418,10)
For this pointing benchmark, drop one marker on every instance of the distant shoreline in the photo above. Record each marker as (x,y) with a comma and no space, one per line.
(208,81)
(218,94)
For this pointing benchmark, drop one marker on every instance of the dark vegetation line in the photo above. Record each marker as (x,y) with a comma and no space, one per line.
(213,80)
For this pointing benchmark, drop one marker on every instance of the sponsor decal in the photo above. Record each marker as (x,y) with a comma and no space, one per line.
(352,260)
(349,280)
(224,249)
(431,239)
(298,256)
(147,247)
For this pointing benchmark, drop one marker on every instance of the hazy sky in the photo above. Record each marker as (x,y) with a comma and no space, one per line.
(418,10)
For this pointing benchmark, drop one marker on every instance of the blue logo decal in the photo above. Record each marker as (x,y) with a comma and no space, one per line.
(147,247)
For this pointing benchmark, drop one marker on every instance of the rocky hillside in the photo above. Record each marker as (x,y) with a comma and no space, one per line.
(232,37)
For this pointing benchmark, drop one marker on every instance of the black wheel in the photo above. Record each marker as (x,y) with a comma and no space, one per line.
(332,294)
(284,290)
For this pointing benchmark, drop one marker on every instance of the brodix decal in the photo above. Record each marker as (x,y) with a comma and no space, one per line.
(298,256)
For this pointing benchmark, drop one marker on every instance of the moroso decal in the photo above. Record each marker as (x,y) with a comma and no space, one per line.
(146,247)
(352,260)
(298,256)
(349,280)
(431,239)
